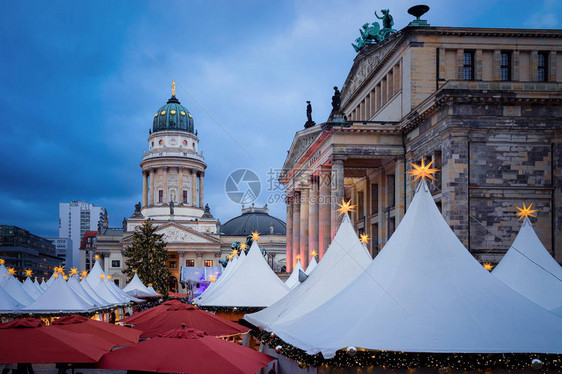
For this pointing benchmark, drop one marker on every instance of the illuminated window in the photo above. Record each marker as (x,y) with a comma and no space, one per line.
(172,264)
(208,263)
(190,263)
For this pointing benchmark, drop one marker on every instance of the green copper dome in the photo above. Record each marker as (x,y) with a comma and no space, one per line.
(173,116)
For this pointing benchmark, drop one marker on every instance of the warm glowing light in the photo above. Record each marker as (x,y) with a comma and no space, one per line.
(255,236)
(173,88)
(60,270)
(423,171)
(56,275)
(488,266)
(11,271)
(150,285)
(364,238)
(134,271)
(235,252)
(96,257)
(212,279)
(65,277)
(28,273)
(102,276)
(108,277)
(2,261)
(314,253)
(345,207)
(73,271)
(244,246)
(298,257)
(526,211)
(56,269)
(230,257)
(84,273)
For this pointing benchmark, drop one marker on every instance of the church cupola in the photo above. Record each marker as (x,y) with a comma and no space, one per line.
(173,116)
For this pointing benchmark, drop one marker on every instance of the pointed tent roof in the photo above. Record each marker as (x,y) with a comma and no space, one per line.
(293,279)
(252,284)
(43,285)
(105,293)
(529,269)
(119,292)
(343,261)
(94,275)
(7,303)
(137,288)
(153,290)
(311,266)
(38,286)
(15,289)
(93,294)
(30,289)
(222,279)
(3,270)
(425,292)
(74,283)
(59,297)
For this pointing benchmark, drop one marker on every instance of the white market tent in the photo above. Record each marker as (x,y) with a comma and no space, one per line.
(37,286)
(90,291)
(236,262)
(293,279)
(311,266)
(251,284)
(7,303)
(58,298)
(529,269)
(343,261)
(137,288)
(3,270)
(152,290)
(425,292)
(74,283)
(119,292)
(43,285)
(15,289)
(30,289)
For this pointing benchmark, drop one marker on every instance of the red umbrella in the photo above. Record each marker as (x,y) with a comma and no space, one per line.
(190,316)
(117,335)
(186,351)
(27,341)
(148,313)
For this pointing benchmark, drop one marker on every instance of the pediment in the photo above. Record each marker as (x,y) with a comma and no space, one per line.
(301,143)
(175,233)
(367,61)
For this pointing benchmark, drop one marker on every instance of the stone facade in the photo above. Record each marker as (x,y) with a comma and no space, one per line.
(484,104)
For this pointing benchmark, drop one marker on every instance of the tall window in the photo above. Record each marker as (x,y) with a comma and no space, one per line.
(542,67)
(374,198)
(468,66)
(390,190)
(190,263)
(172,265)
(505,66)
(360,205)
(184,199)
(208,263)
(160,195)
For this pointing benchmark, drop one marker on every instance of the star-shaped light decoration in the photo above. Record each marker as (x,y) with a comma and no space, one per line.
(364,238)
(56,275)
(102,276)
(243,246)
(488,266)
(60,270)
(2,261)
(235,252)
(314,253)
(28,273)
(230,257)
(96,257)
(108,277)
(56,268)
(345,207)
(526,211)
(73,271)
(12,271)
(298,257)
(422,171)
(84,273)
(255,236)
(65,277)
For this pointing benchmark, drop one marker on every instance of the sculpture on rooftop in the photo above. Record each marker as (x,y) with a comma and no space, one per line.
(336,100)
(372,34)
(309,122)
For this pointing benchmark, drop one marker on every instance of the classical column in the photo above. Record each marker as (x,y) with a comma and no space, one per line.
(289,233)
(337,193)
(151,196)
(324,216)
(313,217)
(296,225)
(180,186)
(303,247)
(144,188)
(165,172)
(201,190)
(193,187)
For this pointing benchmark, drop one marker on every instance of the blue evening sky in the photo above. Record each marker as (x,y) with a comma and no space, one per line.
(81,81)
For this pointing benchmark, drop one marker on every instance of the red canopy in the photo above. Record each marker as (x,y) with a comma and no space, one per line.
(116,335)
(190,316)
(186,351)
(27,341)
(148,313)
